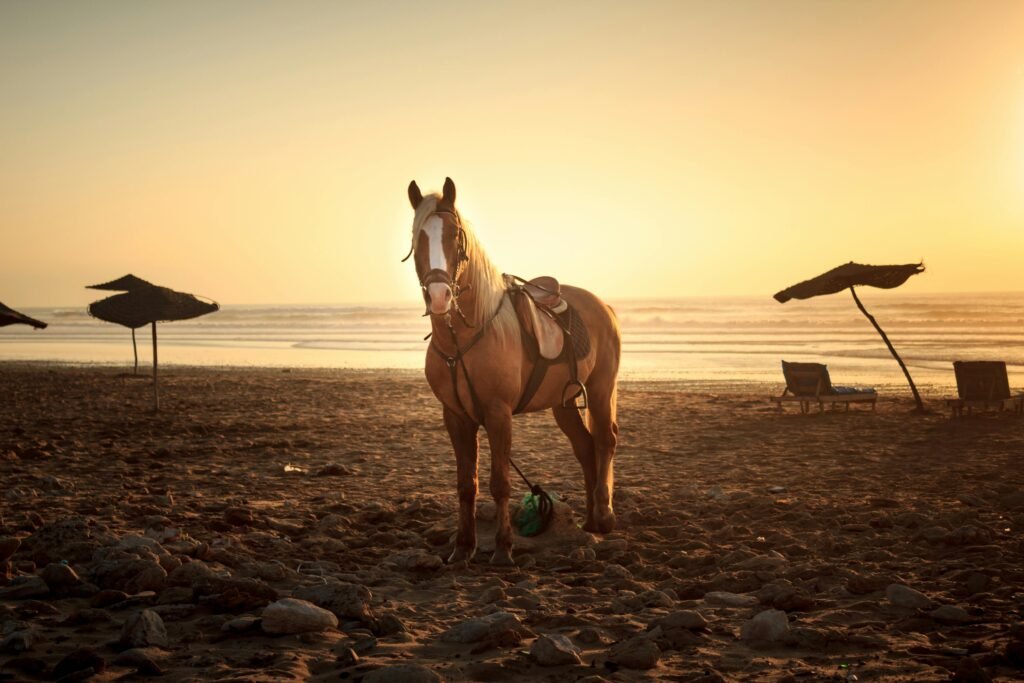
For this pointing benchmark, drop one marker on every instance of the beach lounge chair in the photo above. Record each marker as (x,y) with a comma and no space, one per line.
(809,383)
(983,384)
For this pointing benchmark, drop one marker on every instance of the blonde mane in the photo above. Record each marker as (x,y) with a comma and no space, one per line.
(481,276)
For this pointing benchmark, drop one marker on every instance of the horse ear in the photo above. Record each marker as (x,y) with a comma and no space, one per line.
(449,192)
(415,196)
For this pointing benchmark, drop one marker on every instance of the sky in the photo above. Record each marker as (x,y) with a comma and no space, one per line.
(259,152)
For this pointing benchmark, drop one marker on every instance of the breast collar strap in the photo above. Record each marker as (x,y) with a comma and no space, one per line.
(454,361)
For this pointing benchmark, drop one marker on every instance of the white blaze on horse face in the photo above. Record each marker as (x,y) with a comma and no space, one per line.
(434,228)
(440,294)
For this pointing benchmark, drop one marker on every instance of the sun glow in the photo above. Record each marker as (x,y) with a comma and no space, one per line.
(259,153)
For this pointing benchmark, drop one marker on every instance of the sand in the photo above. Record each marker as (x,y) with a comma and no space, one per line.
(884,546)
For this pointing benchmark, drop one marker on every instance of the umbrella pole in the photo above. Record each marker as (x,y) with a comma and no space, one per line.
(135,350)
(156,386)
(913,388)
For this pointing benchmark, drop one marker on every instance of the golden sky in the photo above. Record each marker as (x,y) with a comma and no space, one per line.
(258,152)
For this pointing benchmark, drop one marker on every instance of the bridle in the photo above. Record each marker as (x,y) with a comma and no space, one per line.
(437,275)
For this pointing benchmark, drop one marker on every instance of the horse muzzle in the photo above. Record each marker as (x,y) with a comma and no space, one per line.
(437,292)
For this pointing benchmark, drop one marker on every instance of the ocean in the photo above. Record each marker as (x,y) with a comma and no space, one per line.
(699,339)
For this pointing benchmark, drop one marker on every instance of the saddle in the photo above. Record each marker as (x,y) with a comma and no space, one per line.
(546,320)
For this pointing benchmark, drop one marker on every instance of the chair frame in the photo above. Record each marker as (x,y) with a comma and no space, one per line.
(823,392)
(995,387)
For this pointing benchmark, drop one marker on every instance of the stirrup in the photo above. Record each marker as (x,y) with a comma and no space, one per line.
(572,400)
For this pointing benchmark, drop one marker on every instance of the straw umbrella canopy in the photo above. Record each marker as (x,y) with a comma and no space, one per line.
(147,304)
(850,276)
(125,283)
(9,316)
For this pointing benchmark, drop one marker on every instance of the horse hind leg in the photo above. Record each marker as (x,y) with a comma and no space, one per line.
(605,431)
(463,434)
(570,422)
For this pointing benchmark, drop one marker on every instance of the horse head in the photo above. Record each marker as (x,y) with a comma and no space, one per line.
(439,247)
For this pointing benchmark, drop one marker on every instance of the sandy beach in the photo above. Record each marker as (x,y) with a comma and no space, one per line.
(881,546)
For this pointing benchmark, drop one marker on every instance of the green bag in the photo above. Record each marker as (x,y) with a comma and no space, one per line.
(534,514)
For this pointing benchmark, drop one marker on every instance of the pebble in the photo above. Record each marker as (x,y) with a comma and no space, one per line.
(8,546)
(554,650)
(635,653)
(141,659)
(905,596)
(24,588)
(769,626)
(18,641)
(688,619)
(290,615)
(950,614)
(238,516)
(474,630)
(345,600)
(240,624)
(83,659)
(144,628)
(727,599)
(60,577)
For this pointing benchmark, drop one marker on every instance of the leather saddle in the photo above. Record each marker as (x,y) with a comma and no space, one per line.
(546,321)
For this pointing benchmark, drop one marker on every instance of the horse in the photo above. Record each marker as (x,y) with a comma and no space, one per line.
(478,368)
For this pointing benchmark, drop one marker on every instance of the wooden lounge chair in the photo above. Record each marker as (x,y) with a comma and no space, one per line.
(808,383)
(983,384)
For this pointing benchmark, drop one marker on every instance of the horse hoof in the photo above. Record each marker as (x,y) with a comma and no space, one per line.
(502,558)
(606,523)
(591,527)
(461,555)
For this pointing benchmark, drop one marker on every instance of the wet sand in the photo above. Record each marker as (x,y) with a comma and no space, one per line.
(882,545)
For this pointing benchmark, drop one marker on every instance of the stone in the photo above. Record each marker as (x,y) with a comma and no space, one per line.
(81,660)
(950,614)
(968,670)
(474,630)
(106,598)
(191,574)
(554,650)
(8,546)
(635,653)
(60,577)
(492,594)
(238,516)
(905,596)
(416,561)
(290,615)
(24,588)
(141,659)
(345,600)
(240,624)
(769,626)
(18,641)
(726,599)
(402,673)
(144,628)
(128,573)
(688,619)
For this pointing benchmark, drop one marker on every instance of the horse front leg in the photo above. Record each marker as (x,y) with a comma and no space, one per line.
(463,433)
(499,434)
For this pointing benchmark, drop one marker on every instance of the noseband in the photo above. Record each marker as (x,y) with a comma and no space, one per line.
(438,275)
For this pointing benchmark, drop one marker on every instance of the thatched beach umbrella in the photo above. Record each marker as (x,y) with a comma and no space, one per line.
(125,283)
(849,276)
(9,316)
(147,304)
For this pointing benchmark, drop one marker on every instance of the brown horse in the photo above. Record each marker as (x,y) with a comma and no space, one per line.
(478,368)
